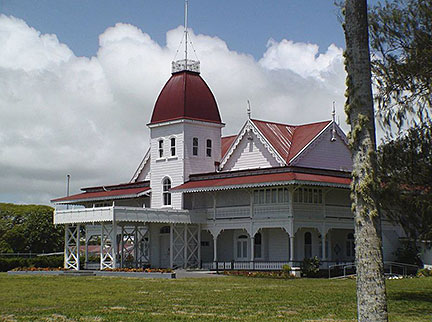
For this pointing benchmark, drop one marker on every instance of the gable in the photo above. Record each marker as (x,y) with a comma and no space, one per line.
(323,153)
(250,153)
(143,171)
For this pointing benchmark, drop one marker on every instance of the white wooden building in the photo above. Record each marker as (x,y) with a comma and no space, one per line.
(269,195)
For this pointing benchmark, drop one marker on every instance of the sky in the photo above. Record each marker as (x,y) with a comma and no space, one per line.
(79,79)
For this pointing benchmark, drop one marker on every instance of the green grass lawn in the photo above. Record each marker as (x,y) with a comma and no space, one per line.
(56,298)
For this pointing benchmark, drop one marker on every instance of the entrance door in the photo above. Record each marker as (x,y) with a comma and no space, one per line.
(242,247)
(164,249)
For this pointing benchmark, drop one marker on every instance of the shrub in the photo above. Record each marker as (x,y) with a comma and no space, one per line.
(286,268)
(424,272)
(310,267)
(7,264)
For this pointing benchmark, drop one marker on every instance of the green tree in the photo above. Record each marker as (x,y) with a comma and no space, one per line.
(25,228)
(371,292)
(401,41)
(405,172)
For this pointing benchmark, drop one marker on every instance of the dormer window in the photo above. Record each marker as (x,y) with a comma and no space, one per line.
(166,186)
(195,146)
(173,146)
(209,148)
(161,151)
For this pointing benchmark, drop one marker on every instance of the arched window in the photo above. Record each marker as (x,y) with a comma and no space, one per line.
(307,245)
(242,244)
(350,245)
(258,245)
(165,230)
(173,146)
(209,148)
(194,146)
(166,194)
(161,152)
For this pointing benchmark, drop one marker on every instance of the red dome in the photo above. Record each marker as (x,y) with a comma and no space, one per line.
(186,96)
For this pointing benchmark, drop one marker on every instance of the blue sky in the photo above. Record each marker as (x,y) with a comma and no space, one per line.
(244,25)
(81,78)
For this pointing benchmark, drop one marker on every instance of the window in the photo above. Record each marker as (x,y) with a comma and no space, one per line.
(258,245)
(205,244)
(195,146)
(209,148)
(307,245)
(166,193)
(173,146)
(161,152)
(350,245)
(242,246)
(165,230)
(274,195)
(308,195)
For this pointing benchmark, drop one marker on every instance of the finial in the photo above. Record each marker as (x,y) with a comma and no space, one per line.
(185,64)
(333,138)
(248,110)
(185,30)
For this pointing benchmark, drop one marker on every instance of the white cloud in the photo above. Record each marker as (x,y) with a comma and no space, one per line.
(64,114)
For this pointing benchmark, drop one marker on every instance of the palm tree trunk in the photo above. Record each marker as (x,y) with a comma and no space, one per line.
(371,293)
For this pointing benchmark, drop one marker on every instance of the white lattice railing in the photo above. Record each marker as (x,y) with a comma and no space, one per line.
(271,211)
(338,211)
(259,266)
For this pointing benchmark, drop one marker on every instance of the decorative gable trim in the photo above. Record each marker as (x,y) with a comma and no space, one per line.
(316,140)
(141,166)
(250,127)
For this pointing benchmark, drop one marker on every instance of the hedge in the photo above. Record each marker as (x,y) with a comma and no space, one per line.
(6,264)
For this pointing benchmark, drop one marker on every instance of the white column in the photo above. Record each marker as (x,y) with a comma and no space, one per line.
(66,246)
(323,241)
(199,246)
(171,245)
(185,243)
(86,246)
(252,257)
(215,248)
(291,248)
(114,244)
(78,227)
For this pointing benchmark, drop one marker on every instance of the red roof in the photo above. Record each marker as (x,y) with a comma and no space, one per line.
(288,140)
(264,178)
(186,96)
(114,193)
(226,142)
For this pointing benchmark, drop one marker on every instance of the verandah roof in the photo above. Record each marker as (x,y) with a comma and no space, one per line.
(103,195)
(262,180)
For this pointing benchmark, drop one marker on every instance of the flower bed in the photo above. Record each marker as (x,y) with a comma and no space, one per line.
(38,269)
(139,270)
(262,274)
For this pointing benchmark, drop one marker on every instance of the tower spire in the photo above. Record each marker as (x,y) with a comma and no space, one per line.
(333,138)
(185,30)
(186,63)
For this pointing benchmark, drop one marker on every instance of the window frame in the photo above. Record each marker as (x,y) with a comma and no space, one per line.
(161,148)
(166,194)
(173,148)
(209,148)
(195,147)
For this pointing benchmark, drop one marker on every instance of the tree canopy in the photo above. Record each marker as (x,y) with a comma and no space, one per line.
(401,43)
(25,228)
(405,172)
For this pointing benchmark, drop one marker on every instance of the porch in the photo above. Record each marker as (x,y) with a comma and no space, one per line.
(269,248)
(131,237)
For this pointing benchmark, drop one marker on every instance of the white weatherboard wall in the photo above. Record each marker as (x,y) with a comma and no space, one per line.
(325,154)
(203,131)
(167,166)
(277,248)
(250,153)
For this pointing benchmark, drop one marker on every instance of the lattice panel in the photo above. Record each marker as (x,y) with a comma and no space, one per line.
(72,237)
